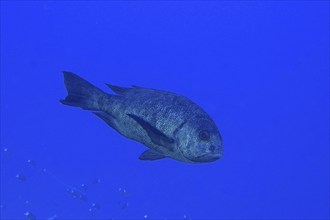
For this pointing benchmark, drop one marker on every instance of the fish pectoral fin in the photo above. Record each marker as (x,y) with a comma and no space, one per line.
(151,155)
(156,136)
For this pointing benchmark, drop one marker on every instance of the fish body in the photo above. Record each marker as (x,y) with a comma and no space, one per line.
(170,125)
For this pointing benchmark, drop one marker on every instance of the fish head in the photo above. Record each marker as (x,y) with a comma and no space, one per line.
(199,141)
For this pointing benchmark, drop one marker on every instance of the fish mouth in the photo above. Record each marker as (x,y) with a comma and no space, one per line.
(207,158)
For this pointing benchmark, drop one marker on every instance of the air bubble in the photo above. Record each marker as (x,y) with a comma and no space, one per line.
(30,216)
(20,177)
(84,186)
(52,217)
(31,162)
(186,217)
(123,191)
(123,205)
(96,206)
(97,181)
(83,198)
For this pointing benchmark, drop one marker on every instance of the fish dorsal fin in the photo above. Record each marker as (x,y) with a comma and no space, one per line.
(118,89)
(137,87)
(151,155)
(156,136)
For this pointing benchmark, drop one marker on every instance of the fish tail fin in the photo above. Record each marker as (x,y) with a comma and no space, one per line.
(81,93)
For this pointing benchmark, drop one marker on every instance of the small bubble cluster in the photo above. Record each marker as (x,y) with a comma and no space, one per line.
(79,193)
(123,191)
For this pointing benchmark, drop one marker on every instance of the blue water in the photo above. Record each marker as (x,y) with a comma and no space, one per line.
(260,69)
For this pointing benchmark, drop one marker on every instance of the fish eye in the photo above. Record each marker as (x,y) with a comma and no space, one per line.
(204,135)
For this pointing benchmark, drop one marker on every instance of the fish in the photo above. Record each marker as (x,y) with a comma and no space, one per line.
(168,124)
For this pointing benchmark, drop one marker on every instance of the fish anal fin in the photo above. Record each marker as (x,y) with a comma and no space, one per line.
(107,118)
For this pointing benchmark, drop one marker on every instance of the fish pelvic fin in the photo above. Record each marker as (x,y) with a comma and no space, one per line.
(81,93)
(151,155)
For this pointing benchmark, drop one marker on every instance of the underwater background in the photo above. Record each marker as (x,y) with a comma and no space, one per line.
(259,68)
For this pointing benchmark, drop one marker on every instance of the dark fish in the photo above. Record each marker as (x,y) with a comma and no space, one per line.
(170,125)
